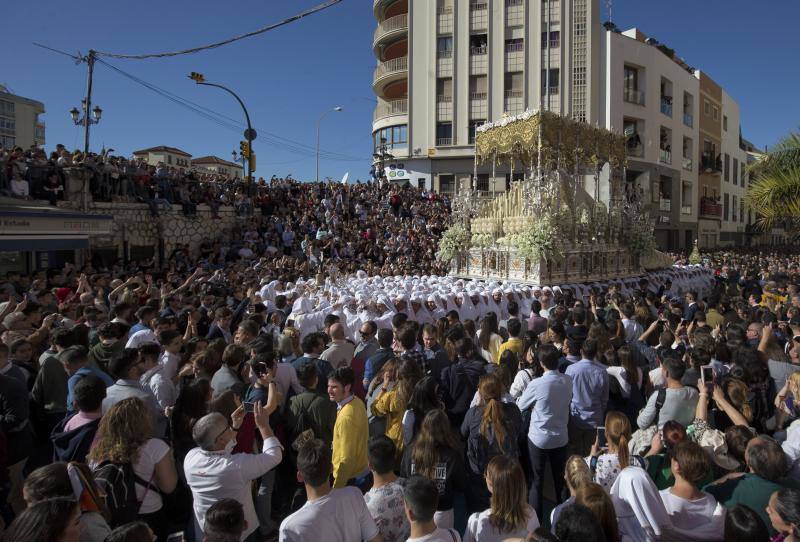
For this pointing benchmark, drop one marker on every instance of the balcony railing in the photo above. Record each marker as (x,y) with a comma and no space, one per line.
(709,208)
(478,95)
(391,25)
(666,107)
(552,44)
(633,96)
(477,51)
(516,47)
(688,164)
(391,108)
(444,141)
(665,205)
(447,53)
(709,164)
(686,209)
(688,119)
(512,3)
(664,156)
(552,90)
(390,67)
(636,150)
(444,10)
(509,94)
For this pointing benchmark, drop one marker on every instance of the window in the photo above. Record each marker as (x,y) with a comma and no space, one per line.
(169,159)
(727,168)
(473,129)
(706,108)
(444,47)
(630,84)
(444,133)
(741,210)
(725,205)
(725,122)
(515,45)
(734,208)
(483,182)
(6,108)
(394,136)
(7,127)
(554,40)
(734,170)
(7,141)
(478,85)
(715,109)
(552,81)
(446,184)
(477,44)
(744,169)
(444,89)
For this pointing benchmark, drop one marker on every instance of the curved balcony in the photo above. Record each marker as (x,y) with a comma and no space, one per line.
(378,7)
(393,27)
(389,72)
(390,108)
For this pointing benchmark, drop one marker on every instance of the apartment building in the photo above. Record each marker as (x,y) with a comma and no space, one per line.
(444,67)
(651,96)
(20,125)
(163,154)
(214,164)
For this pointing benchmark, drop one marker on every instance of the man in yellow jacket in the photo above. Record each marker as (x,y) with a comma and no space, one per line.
(350,432)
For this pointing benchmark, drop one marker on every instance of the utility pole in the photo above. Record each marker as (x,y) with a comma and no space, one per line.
(90,58)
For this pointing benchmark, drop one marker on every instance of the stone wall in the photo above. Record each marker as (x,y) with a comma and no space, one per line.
(135,227)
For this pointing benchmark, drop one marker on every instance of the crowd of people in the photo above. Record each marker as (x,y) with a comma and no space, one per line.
(235,396)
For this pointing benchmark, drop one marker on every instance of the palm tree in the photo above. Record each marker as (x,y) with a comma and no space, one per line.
(774,195)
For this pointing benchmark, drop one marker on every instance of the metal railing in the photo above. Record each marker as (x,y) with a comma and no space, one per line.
(688,164)
(686,209)
(444,99)
(664,156)
(552,90)
(633,96)
(477,51)
(395,65)
(478,6)
(478,95)
(688,119)
(635,150)
(665,205)
(390,108)
(447,53)
(666,107)
(390,25)
(444,10)
(511,94)
(444,141)
(512,3)
(708,208)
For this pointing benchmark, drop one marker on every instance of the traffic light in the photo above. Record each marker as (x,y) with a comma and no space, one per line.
(197,77)
(252,162)
(244,149)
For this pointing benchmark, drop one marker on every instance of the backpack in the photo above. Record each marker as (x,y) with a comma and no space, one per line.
(117,482)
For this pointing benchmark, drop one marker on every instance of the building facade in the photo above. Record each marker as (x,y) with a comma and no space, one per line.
(213,164)
(445,67)
(20,125)
(169,156)
(651,97)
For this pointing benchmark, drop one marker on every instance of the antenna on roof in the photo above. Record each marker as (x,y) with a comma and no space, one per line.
(609,5)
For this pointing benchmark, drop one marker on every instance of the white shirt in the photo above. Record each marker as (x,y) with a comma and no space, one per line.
(285,378)
(141,337)
(339,516)
(218,475)
(161,386)
(170,363)
(480,529)
(704,519)
(620,374)
(19,187)
(151,453)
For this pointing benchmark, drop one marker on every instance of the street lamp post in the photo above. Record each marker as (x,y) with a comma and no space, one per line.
(335,109)
(249,134)
(238,157)
(382,154)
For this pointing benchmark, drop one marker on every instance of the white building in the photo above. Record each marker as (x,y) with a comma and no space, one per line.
(162,154)
(213,164)
(652,96)
(734,176)
(447,66)
(19,121)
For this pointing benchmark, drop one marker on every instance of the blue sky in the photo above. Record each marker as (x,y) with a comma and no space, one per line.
(289,76)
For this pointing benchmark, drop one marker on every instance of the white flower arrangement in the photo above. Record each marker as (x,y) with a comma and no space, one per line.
(541,239)
(455,240)
(482,240)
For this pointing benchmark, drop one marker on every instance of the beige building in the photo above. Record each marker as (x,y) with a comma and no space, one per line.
(19,121)
(213,164)
(445,67)
(169,156)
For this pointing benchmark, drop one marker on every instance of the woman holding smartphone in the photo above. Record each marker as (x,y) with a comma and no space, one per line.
(610,450)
